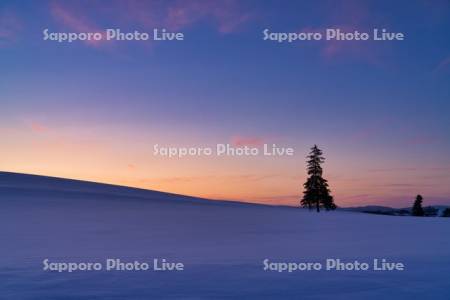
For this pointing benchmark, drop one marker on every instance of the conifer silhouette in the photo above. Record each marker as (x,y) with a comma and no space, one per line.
(417,209)
(317,192)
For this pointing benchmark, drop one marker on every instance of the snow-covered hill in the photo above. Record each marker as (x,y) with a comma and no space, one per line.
(222,246)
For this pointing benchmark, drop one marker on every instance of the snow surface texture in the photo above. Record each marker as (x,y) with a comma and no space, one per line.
(222,246)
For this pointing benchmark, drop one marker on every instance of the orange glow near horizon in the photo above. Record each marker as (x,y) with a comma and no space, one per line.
(127,159)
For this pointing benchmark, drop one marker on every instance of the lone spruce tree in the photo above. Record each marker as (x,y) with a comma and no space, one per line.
(317,192)
(417,209)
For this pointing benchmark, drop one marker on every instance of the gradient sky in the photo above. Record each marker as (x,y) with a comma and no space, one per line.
(93,111)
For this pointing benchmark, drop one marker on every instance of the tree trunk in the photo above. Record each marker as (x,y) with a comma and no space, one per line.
(317,206)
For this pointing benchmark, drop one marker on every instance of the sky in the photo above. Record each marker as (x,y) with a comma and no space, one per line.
(94,110)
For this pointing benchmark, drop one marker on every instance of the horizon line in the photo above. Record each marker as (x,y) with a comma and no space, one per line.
(190,196)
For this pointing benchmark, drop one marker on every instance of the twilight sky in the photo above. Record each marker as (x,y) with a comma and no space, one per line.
(93,110)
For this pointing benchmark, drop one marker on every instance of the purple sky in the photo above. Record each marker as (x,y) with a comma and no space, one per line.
(94,110)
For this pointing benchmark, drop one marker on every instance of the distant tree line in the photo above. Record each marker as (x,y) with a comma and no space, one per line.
(446,213)
(317,193)
(418,210)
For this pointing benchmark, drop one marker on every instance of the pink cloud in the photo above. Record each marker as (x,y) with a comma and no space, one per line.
(349,16)
(38,127)
(76,21)
(333,49)
(146,13)
(227,15)
(240,141)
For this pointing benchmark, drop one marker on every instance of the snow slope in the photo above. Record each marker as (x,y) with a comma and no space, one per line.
(222,246)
